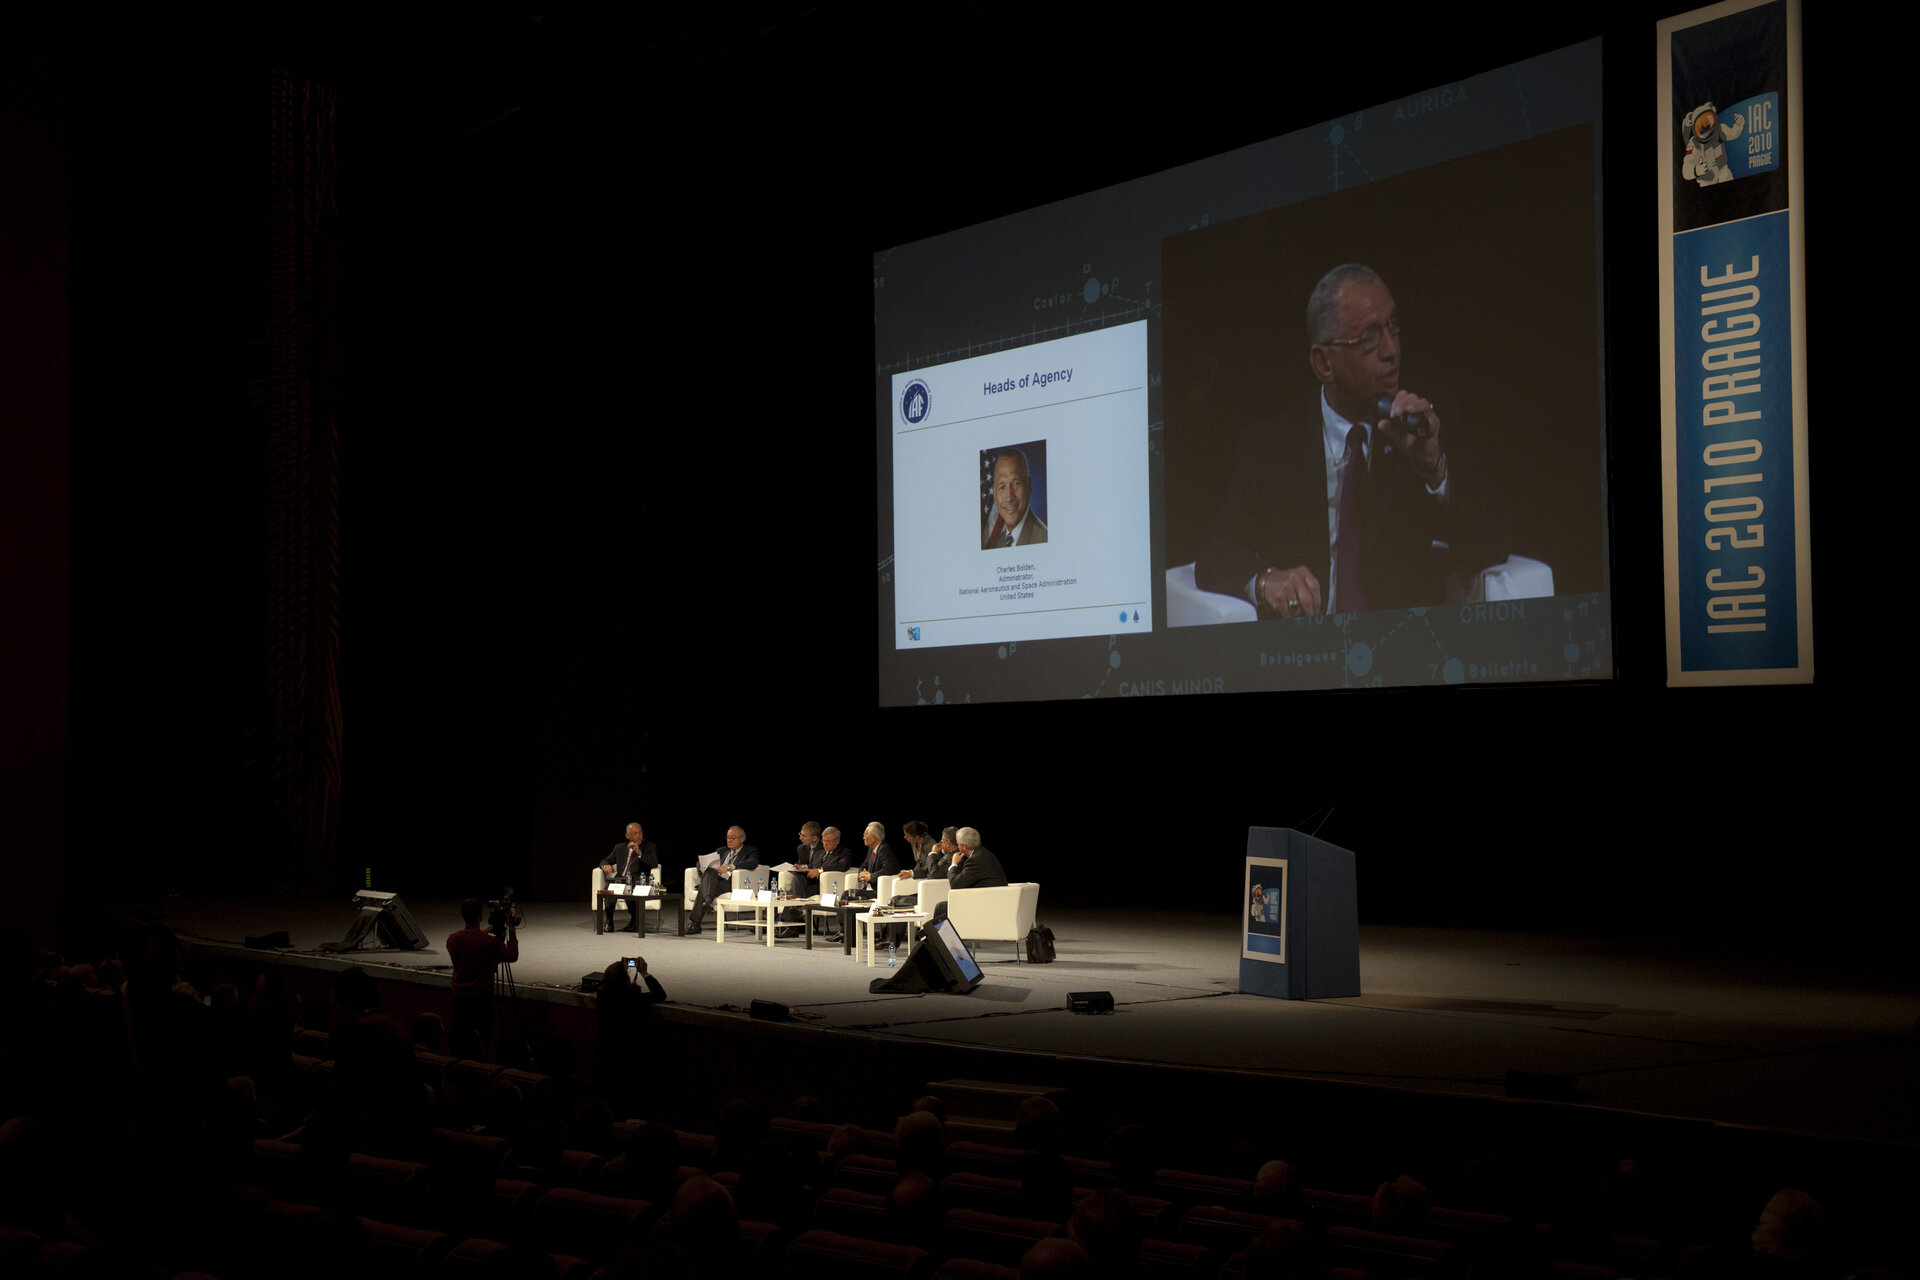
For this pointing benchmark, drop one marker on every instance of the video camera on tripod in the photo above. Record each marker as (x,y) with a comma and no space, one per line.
(502,912)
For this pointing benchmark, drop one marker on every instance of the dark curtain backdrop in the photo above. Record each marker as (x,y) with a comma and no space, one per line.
(294,726)
(34,507)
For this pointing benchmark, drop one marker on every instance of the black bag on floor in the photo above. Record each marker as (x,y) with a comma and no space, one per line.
(1039,945)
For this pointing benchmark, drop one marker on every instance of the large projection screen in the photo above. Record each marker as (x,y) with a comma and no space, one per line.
(1124,380)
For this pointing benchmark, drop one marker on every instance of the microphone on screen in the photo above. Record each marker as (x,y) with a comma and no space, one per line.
(1413,422)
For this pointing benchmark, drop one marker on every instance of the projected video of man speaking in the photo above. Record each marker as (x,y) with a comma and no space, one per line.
(1406,400)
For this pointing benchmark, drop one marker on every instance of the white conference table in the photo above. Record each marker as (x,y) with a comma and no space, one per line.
(864,925)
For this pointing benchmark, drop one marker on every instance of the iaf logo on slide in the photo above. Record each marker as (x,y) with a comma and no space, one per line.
(916,402)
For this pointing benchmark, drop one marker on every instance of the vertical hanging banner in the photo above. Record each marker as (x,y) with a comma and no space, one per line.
(1733,346)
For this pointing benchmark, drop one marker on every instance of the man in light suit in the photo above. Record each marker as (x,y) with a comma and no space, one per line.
(1014,523)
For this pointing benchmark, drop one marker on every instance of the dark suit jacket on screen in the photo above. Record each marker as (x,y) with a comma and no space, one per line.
(1276,515)
(1033,535)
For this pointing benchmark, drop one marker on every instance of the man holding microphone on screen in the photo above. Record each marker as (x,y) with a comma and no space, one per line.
(1354,499)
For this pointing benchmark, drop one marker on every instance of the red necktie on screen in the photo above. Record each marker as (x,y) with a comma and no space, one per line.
(1346,555)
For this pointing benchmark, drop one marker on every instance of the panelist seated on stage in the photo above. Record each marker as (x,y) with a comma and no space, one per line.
(972,867)
(929,862)
(831,856)
(807,858)
(920,851)
(803,880)
(631,862)
(735,855)
(813,856)
(879,861)
(827,865)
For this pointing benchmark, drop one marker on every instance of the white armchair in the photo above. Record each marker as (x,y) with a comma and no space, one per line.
(932,893)
(1189,606)
(1002,914)
(1515,578)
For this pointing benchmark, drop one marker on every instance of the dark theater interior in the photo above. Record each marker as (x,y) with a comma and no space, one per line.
(437,436)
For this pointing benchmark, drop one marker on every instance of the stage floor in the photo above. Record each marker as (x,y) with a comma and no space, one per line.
(1698,1033)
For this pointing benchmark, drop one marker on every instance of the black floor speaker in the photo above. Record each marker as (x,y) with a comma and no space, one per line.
(942,962)
(384,916)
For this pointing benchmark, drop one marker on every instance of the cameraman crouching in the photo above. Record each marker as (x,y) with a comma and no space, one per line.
(476,953)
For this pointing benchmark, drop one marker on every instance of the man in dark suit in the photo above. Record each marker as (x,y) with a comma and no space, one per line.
(932,861)
(832,856)
(880,859)
(1351,500)
(630,862)
(735,855)
(807,856)
(973,867)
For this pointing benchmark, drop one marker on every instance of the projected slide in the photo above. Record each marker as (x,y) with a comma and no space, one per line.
(1028,471)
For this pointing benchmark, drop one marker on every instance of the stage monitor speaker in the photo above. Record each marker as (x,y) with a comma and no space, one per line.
(769,1011)
(384,915)
(269,941)
(398,928)
(1090,1001)
(941,962)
